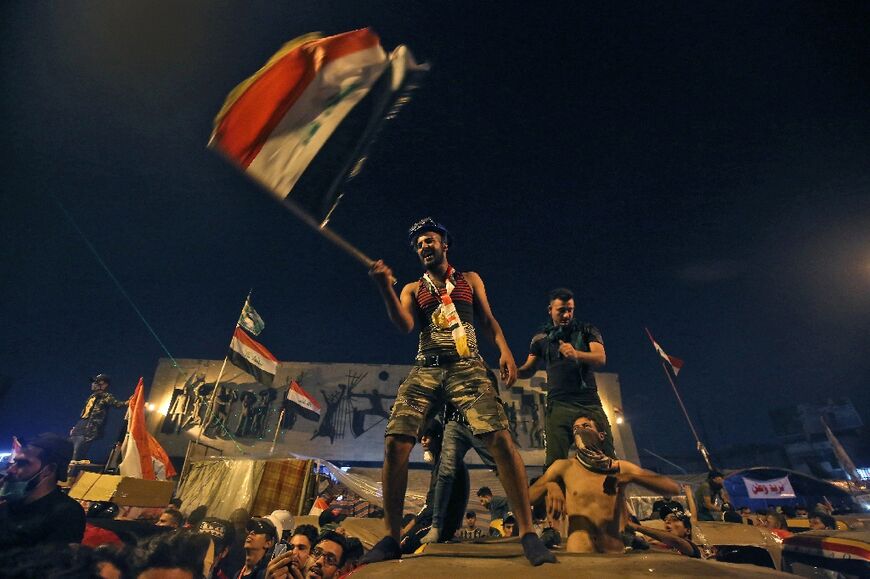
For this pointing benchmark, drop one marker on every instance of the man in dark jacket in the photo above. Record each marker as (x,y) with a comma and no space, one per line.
(33,510)
(93,416)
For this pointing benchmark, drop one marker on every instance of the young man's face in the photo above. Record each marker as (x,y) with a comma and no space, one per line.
(167,520)
(485,500)
(301,549)
(561,311)
(508,529)
(586,432)
(816,524)
(675,526)
(99,385)
(258,541)
(430,249)
(471,522)
(26,465)
(325,560)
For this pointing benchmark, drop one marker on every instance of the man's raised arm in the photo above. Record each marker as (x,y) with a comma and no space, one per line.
(631,473)
(399,310)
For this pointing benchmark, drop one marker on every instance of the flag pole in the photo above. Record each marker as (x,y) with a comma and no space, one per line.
(209,413)
(701,448)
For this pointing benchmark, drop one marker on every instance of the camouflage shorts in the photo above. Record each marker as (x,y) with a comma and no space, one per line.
(467,384)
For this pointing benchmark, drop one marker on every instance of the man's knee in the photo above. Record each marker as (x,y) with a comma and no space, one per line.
(397,447)
(499,443)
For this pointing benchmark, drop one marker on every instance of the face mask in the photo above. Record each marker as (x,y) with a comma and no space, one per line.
(587,439)
(13,491)
(428,457)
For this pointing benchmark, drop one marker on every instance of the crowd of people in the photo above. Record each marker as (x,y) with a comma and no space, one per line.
(449,402)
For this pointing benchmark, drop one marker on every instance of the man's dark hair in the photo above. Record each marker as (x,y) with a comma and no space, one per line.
(53,449)
(176,503)
(197,516)
(336,538)
(590,419)
(714,474)
(732,517)
(48,560)
(826,519)
(307,531)
(353,550)
(177,516)
(470,515)
(484,492)
(560,293)
(180,550)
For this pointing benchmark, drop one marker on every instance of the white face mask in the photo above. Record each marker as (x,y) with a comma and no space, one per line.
(428,457)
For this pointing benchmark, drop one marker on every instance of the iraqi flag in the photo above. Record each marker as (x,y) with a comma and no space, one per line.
(302,124)
(303,402)
(675,363)
(252,357)
(143,457)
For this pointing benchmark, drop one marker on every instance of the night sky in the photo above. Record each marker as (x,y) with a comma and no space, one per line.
(700,168)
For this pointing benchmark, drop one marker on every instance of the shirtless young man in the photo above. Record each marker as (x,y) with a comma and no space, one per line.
(594,491)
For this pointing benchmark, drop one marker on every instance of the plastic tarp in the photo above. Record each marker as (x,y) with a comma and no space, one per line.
(222,485)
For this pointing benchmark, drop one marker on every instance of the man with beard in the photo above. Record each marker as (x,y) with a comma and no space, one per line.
(595,486)
(93,416)
(33,510)
(569,349)
(296,561)
(328,557)
(448,365)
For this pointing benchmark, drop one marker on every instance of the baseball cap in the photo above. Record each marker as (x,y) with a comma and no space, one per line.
(428,224)
(282,520)
(102,378)
(262,526)
(220,530)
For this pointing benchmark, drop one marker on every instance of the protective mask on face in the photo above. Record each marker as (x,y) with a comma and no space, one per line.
(587,439)
(428,457)
(13,491)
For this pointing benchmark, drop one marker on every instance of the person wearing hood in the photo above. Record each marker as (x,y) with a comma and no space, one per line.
(594,484)
(33,510)
(569,349)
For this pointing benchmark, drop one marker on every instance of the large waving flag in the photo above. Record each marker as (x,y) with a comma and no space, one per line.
(675,363)
(252,357)
(841,454)
(303,402)
(304,120)
(143,456)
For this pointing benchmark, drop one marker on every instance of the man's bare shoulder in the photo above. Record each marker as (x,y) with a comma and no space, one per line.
(411,287)
(559,467)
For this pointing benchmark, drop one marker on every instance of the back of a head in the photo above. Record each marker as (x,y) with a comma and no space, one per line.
(197,516)
(826,519)
(53,449)
(355,550)
(182,550)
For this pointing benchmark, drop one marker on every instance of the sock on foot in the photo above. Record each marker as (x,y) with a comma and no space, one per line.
(535,551)
(384,550)
(431,536)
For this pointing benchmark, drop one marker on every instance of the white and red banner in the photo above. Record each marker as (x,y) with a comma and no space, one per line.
(143,457)
(303,402)
(675,363)
(779,488)
(252,357)
(275,123)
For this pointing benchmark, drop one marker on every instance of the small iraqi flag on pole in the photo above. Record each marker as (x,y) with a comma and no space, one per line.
(303,402)
(303,122)
(675,363)
(252,357)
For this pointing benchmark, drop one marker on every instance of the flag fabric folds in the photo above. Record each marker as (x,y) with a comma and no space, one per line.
(16,448)
(250,319)
(675,363)
(253,357)
(303,121)
(303,402)
(143,457)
